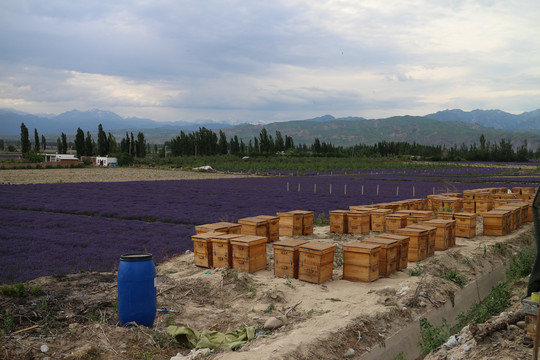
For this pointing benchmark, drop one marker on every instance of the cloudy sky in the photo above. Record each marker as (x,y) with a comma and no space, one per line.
(262,61)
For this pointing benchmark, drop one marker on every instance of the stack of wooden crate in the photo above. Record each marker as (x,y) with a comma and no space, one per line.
(315,261)
(465,224)
(418,243)
(361,261)
(295,222)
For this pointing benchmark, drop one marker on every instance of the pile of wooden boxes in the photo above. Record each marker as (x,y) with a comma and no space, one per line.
(406,230)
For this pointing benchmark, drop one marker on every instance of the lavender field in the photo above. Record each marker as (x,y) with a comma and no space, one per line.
(54,229)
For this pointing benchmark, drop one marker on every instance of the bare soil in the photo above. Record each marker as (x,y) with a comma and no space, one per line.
(103,174)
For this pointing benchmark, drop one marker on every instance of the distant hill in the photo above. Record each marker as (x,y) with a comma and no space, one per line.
(398,128)
(69,121)
(491,118)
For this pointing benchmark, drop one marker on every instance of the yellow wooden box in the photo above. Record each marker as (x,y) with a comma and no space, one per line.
(496,223)
(286,257)
(254,226)
(395,221)
(226,227)
(338,221)
(417,244)
(202,248)
(222,250)
(316,261)
(432,237)
(361,261)
(378,222)
(272,227)
(359,222)
(249,253)
(403,250)
(307,220)
(445,235)
(290,224)
(388,256)
(465,224)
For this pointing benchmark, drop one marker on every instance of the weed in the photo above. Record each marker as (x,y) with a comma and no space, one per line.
(250,287)
(92,354)
(8,323)
(169,321)
(485,251)
(433,336)
(497,300)
(455,277)
(289,283)
(338,257)
(521,264)
(147,356)
(161,339)
(417,270)
(270,308)
(16,290)
(466,261)
(321,220)
(499,249)
(400,356)
(49,321)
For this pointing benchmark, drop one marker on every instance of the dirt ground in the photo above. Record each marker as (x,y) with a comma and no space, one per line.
(75,317)
(103,174)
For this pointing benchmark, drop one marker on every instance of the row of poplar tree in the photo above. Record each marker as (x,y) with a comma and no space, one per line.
(85,145)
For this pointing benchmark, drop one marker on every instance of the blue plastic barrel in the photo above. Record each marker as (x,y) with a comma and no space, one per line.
(137,289)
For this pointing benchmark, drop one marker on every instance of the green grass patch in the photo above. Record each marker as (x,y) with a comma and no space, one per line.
(521,264)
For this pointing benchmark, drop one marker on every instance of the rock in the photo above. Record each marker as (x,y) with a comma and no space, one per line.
(273,323)
(467,348)
(513,327)
(44,348)
(451,343)
(349,353)
(187,252)
(387,290)
(193,355)
(383,300)
(521,324)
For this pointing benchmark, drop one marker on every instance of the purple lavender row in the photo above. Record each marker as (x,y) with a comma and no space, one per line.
(34,244)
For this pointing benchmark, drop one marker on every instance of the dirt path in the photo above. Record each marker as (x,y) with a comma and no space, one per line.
(100,174)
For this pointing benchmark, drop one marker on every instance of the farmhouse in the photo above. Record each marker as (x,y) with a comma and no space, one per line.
(105,161)
(60,158)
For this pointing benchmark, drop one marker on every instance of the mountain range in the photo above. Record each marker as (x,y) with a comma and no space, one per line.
(448,127)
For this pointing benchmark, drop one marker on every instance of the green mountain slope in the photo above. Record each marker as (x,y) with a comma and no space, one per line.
(398,128)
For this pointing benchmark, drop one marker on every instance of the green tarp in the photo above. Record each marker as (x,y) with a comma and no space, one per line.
(211,339)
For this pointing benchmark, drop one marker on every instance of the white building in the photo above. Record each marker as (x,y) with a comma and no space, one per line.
(106,161)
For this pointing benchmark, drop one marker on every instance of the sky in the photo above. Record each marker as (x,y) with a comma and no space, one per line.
(265,61)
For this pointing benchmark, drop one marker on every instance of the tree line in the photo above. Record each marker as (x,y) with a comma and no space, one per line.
(84,145)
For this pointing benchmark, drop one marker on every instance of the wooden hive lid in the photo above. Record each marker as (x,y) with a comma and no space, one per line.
(439,222)
(497,213)
(465,214)
(384,243)
(252,220)
(289,243)
(221,237)
(268,217)
(420,226)
(317,246)
(361,247)
(213,226)
(392,236)
(361,208)
(207,236)
(338,211)
(409,230)
(248,240)
(301,212)
(400,216)
(359,213)
(381,211)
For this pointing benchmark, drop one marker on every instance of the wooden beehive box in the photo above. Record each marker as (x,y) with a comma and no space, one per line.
(454,204)
(254,226)
(222,250)
(307,220)
(315,261)
(249,253)
(469,206)
(434,202)
(403,250)
(290,224)
(530,309)
(213,227)
(483,205)
(417,244)
(465,224)
(445,215)
(286,257)
(446,233)
(202,248)
(395,221)
(513,218)
(388,256)
(359,222)
(360,261)
(432,237)
(338,221)
(378,222)
(272,227)
(361,208)
(496,223)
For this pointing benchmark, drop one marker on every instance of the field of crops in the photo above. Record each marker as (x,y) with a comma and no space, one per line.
(54,229)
